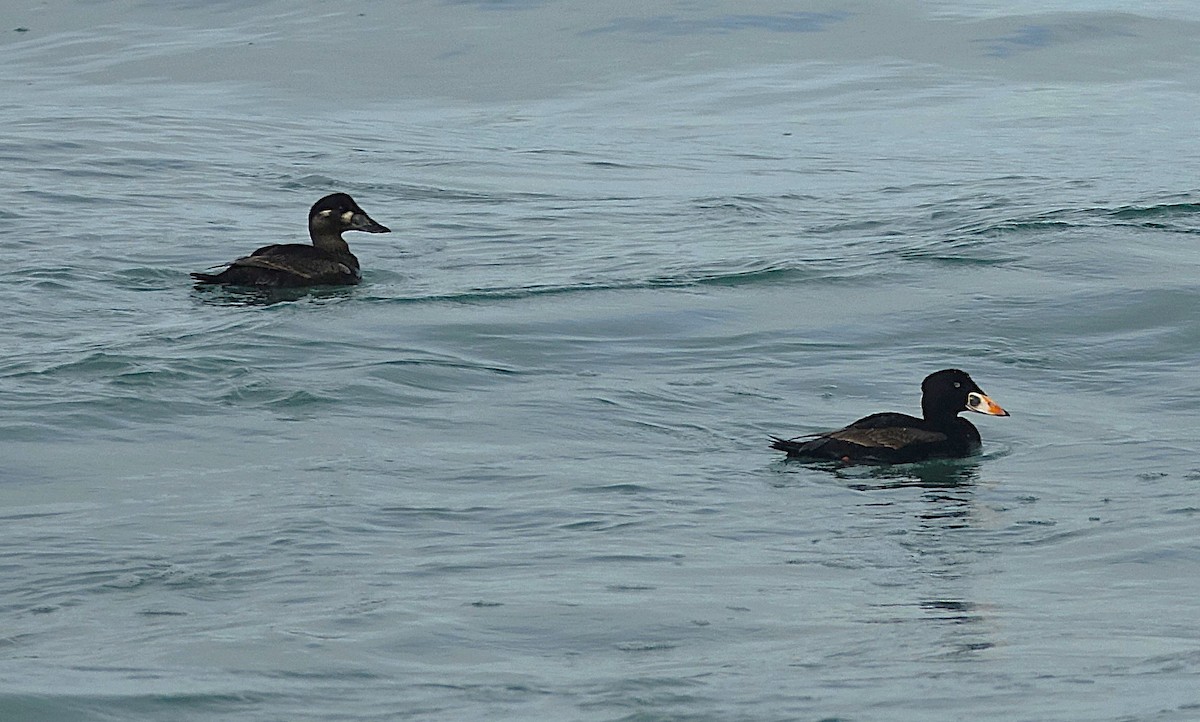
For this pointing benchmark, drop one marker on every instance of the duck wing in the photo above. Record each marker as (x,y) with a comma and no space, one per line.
(301,266)
(887,430)
(291,264)
(886,437)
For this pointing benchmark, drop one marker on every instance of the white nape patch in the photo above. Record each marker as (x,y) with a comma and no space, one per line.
(325,213)
(347,216)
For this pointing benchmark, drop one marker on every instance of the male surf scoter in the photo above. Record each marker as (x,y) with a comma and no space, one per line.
(890,438)
(327,262)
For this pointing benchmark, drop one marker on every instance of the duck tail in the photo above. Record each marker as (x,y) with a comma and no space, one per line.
(797,446)
(782,444)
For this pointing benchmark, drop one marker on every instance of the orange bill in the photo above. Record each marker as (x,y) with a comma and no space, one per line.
(980,403)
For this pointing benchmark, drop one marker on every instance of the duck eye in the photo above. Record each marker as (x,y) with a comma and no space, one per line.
(957,385)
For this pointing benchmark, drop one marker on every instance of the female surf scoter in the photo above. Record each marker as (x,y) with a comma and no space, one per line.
(327,262)
(890,438)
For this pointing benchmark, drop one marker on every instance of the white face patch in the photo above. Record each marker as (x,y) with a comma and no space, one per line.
(325,213)
(347,216)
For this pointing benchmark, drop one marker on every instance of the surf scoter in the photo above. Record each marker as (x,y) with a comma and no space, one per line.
(327,262)
(890,438)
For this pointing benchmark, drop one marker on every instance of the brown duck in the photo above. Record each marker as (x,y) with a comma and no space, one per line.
(327,262)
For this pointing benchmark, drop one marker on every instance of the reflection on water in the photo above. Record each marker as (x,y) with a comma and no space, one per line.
(941,474)
(214,295)
(937,474)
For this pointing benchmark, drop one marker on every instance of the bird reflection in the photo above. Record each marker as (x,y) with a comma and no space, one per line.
(941,474)
(252,296)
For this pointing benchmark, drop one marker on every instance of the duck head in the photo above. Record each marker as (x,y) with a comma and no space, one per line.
(337,213)
(948,392)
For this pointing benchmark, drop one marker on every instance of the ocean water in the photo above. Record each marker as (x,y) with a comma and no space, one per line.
(522,472)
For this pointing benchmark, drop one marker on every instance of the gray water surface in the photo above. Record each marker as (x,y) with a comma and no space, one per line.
(521,472)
